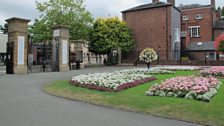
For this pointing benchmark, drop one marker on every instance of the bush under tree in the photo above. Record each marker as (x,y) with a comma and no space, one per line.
(108,34)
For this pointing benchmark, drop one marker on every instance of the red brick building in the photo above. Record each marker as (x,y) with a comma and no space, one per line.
(202,23)
(198,20)
(161,25)
(156,25)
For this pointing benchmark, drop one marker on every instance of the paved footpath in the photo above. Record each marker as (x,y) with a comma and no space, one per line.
(2,70)
(23,103)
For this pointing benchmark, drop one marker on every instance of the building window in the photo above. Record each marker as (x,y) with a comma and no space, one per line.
(194,31)
(198,16)
(185,18)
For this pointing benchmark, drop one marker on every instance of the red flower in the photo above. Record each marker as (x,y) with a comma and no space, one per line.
(219,43)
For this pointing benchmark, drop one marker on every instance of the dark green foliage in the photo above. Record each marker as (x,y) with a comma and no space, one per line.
(41,31)
(221,45)
(110,34)
(111,60)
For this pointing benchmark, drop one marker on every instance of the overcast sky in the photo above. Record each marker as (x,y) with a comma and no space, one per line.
(98,8)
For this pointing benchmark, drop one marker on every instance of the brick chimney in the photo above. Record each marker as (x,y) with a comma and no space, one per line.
(171,1)
(155,1)
(213,4)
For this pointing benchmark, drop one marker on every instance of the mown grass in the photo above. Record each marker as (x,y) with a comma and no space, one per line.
(134,99)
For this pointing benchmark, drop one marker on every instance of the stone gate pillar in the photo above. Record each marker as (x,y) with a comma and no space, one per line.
(17,34)
(61,37)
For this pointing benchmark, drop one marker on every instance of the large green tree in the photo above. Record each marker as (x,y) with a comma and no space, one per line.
(62,12)
(110,33)
(42,32)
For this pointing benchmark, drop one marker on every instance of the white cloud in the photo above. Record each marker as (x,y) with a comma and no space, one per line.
(121,5)
(103,8)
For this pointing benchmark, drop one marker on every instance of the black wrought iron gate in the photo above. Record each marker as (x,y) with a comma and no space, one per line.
(9,58)
(40,57)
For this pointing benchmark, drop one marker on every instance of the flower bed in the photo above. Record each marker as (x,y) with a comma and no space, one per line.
(115,81)
(190,87)
(183,68)
(214,71)
(153,70)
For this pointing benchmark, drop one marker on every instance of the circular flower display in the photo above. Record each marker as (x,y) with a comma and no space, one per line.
(148,55)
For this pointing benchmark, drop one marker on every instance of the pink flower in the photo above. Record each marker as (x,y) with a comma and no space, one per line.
(215,71)
(198,85)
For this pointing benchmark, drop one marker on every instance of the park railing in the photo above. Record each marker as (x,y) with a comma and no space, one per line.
(196,57)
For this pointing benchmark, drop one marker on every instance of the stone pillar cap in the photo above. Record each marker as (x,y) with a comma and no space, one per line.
(16,18)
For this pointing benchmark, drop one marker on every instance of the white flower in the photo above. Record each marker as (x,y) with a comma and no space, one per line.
(148,55)
(111,80)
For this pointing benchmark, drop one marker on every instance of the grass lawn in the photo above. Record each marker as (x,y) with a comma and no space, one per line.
(134,99)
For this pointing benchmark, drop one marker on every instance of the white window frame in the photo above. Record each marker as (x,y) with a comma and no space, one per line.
(185,18)
(199,16)
(194,31)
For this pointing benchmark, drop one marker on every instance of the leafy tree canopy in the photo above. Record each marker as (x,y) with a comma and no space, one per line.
(41,31)
(110,33)
(62,12)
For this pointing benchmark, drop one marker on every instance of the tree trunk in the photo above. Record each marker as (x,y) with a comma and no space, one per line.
(148,65)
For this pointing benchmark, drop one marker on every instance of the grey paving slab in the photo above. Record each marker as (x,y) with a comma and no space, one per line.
(23,103)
